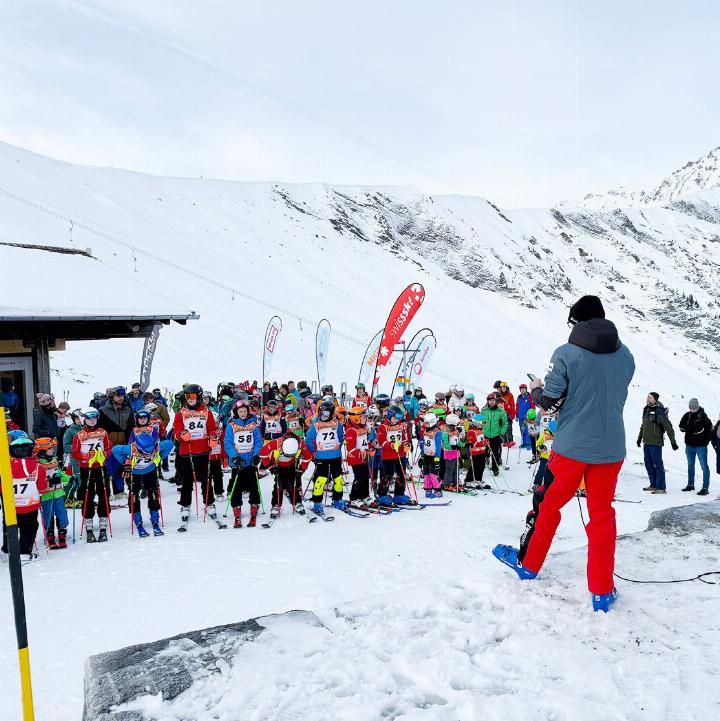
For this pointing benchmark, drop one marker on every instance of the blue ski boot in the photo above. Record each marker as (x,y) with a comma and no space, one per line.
(339,504)
(603,601)
(318,508)
(137,518)
(509,556)
(384,500)
(429,493)
(402,500)
(155,520)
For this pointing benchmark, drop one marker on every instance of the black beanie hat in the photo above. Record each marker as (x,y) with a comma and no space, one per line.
(587,308)
(655,395)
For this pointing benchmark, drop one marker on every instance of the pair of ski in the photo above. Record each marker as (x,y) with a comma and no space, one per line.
(309,518)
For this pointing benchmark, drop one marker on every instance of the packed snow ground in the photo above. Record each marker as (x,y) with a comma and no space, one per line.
(421,622)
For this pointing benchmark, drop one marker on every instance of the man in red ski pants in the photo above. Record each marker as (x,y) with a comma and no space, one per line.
(586,386)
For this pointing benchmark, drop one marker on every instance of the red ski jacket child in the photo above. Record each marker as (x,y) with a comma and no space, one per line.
(358,444)
(271,454)
(477,441)
(87,442)
(194,427)
(29,483)
(392,440)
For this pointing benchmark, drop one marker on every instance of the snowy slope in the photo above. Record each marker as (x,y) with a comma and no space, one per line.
(694,176)
(498,282)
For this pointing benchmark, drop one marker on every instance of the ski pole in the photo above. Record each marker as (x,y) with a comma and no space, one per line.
(162,515)
(257,478)
(232,490)
(107,503)
(44,530)
(197,502)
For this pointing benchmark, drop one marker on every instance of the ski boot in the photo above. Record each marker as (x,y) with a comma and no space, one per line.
(340,504)
(274,512)
(403,500)
(51,539)
(89,533)
(184,519)
(253,516)
(358,504)
(509,556)
(137,519)
(318,508)
(300,509)
(212,512)
(236,513)
(386,501)
(102,535)
(603,601)
(62,538)
(155,520)
(369,503)
(429,493)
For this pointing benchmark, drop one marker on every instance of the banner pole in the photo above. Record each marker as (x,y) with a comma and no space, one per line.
(16,582)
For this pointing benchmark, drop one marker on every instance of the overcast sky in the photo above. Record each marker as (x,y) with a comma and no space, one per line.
(526,103)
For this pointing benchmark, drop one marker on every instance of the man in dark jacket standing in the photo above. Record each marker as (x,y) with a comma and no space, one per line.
(655,424)
(116,417)
(697,428)
(45,423)
(587,385)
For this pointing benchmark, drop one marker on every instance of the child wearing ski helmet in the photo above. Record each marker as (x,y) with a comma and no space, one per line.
(141,459)
(470,407)
(70,463)
(361,399)
(532,429)
(52,502)
(478,446)
(243,444)
(91,447)
(294,420)
(287,458)
(457,398)
(359,442)
(273,424)
(28,483)
(431,445)
(451,445)
(194,425)
(440,403)
(217,459)
(394,443)
(548,425)
(324,439)
(143,424)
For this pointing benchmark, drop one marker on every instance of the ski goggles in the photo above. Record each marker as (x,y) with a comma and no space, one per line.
(191,396)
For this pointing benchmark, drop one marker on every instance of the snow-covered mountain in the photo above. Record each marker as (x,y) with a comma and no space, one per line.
(694,176)
(498,282)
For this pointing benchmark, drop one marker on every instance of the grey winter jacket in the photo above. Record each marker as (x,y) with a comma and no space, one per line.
(588,380)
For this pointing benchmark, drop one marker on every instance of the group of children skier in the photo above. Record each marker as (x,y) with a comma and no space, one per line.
(379,441)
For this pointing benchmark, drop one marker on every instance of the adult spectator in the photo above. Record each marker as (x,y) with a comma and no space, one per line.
(99,399)
(162,409)
(587,385)
(495,427)
(10,398)
(418,393)
(508,402)
(116,418)
(44,421)
(655,424)
(135,398)
(159,398)
(523,404)
(715,440)
(697,428)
